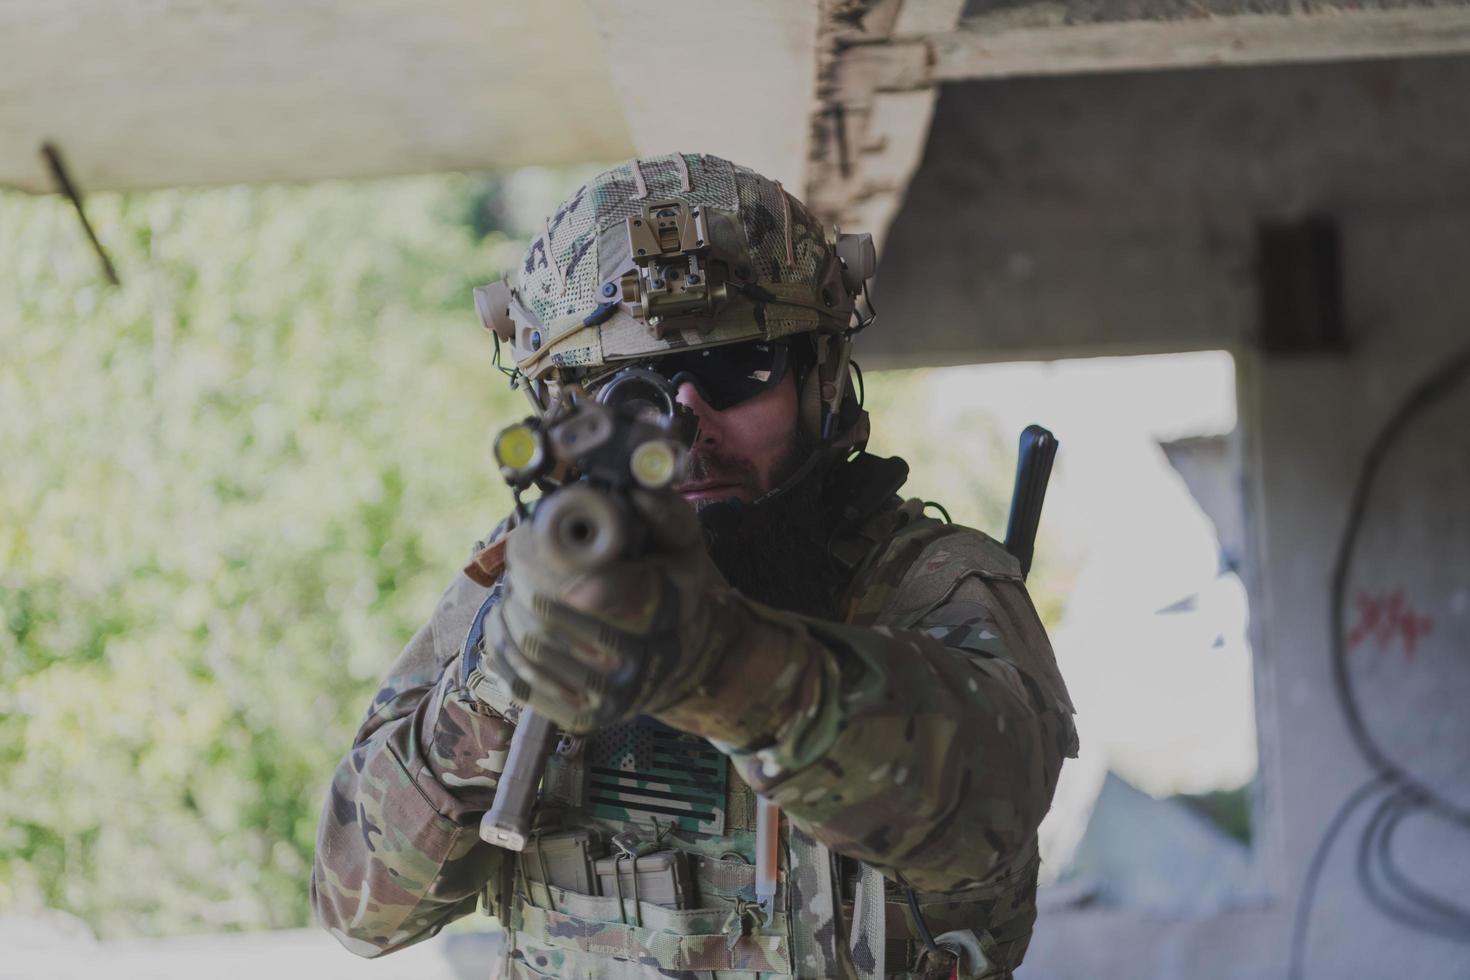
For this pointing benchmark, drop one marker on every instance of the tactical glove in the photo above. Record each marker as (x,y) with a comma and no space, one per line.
(591,648)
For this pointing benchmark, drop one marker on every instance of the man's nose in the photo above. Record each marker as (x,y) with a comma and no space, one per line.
(709,424)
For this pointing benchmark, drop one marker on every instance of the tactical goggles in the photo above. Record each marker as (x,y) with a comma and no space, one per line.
(723,376)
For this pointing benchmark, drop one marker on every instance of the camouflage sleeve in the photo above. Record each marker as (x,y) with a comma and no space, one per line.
(398,849)
(932,751)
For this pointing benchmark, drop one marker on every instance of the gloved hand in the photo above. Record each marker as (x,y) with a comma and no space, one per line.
(588,649)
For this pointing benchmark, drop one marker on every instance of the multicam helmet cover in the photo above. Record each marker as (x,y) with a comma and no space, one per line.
(670,253)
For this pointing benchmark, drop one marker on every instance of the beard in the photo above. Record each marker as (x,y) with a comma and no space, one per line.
(774,552)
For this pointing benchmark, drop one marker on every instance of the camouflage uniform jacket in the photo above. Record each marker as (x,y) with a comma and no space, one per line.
(929,752)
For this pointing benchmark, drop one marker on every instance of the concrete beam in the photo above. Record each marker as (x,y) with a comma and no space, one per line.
(1089,38)
(881,61)
(177,92)
(180,92)
(876,94)
(736,80)
(981,49)
(1116,214)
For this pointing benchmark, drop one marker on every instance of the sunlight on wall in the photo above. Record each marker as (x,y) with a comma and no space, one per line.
(1163,698)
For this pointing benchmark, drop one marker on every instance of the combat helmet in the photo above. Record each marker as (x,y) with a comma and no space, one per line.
(677,253)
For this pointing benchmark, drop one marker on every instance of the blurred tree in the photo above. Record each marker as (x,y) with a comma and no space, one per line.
(1228,809)
(487,210)
(231,490)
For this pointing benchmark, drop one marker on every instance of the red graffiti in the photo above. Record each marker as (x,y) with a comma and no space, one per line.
(1387,618)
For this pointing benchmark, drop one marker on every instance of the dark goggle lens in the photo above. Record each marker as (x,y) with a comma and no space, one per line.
(727,376)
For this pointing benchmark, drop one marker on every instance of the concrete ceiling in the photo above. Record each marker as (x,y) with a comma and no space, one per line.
(884,60)
(161,93)
(171,92)
(833,97)
(733,79)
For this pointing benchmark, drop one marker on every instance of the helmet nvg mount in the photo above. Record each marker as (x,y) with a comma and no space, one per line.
(676,253)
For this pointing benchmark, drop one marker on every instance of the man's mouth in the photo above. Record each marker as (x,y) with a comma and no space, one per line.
(709,490)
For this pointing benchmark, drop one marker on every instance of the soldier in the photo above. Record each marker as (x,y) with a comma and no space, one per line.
(800,638)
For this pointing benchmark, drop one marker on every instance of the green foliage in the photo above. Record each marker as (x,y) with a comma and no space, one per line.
(1227,809)
(231,490)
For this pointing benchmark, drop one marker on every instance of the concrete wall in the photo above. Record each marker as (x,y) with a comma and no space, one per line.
(1308,422)
(1313,420)
(1069,216)
(1116,213)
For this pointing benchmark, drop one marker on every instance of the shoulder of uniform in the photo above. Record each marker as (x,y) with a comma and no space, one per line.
(926,559)
(912,559)
(893,534)
(963,550)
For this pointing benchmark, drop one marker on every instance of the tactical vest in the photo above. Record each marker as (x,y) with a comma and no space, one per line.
(645,863)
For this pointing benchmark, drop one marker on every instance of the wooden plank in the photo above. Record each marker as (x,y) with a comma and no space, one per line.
(877,94)
(863,69)
(898,126)
(927,17)
(971,52)
(877,23)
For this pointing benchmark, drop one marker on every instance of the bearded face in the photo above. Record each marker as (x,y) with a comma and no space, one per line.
(772,549)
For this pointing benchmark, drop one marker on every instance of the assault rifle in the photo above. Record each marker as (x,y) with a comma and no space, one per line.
(633,435)
(588,455)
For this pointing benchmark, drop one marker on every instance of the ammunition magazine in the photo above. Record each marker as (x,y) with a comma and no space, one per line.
(577,861)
